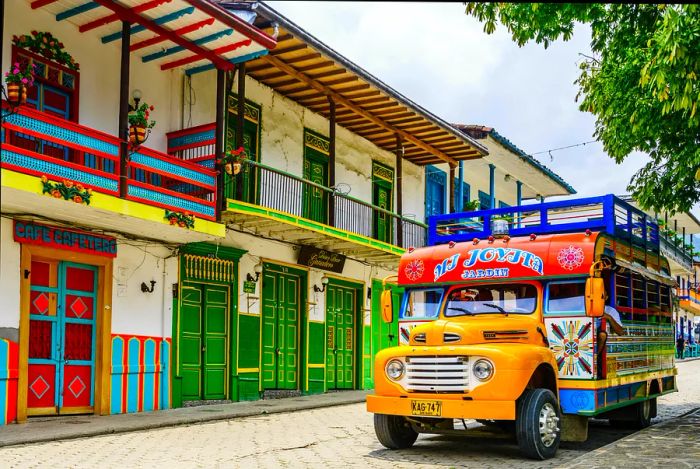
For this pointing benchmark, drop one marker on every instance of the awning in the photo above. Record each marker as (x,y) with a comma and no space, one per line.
(187,34)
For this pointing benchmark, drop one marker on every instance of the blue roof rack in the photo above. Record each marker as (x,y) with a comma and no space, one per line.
(605,213)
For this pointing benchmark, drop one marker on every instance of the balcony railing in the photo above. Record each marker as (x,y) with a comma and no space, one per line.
(680,254)
(274,189)
(38,144)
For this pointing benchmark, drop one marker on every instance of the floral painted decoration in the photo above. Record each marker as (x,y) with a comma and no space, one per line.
(46,45)
(67,190)
(21,76)
(183,220)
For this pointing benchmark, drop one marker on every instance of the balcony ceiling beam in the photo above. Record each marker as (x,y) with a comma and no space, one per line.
(339,99)
(129,15)
(181,32)
(196,57)
(111,18)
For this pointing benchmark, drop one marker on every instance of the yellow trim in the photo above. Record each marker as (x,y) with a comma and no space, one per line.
(249,314)
(249,370)
(371,243)
(77,410)
(19,181)
(610,382)
(314,365)
(284,264)
(42,411)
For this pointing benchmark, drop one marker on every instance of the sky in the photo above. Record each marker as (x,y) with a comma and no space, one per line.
(437,56)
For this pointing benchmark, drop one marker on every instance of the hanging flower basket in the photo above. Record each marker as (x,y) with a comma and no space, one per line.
(18,80)
(140,123)
(137,134)
(232,161)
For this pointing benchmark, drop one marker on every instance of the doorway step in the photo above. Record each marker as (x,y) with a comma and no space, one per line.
(280,393)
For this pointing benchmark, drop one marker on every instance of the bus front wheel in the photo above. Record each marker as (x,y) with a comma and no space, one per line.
(394,432)
(537,425)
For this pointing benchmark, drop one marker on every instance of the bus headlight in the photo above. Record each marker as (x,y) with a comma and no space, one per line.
(483,369)
(395,369)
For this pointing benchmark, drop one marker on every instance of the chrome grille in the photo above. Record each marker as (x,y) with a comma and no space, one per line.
(437,374)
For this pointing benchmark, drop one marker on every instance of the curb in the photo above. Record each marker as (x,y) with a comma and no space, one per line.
(62,429)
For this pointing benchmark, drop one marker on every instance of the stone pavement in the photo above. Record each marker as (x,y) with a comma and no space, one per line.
(674,443)
(51,429)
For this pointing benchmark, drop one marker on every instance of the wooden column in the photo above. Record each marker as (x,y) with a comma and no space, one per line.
(399,189)
(219,143)
(124,111)
(240,126)
(451,186)
(331,161)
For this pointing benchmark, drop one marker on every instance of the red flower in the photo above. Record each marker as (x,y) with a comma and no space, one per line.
(60,44)
(34,33)
(77,199)
(173,220)
(56,193)
(151,108)
(181,224)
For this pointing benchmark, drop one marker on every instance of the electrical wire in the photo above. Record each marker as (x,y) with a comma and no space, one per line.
(582,144)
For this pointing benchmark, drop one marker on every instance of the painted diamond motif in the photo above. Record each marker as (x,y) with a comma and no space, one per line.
(39,387)
(41,303)
(78,307)
(77,386)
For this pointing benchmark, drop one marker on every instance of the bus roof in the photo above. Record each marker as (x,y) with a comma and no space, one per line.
(566,254)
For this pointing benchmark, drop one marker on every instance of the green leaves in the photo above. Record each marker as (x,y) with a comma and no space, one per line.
(641,84)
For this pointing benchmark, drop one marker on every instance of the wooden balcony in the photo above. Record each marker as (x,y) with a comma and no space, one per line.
(37,144)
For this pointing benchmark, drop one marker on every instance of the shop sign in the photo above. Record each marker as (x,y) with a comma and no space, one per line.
(29,232)
(249,287)
(314,257)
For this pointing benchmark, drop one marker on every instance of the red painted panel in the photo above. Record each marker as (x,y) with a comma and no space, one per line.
(40,341)
(77,381)
(80,279)
(40,274)
(78,342)
(42,386)
(81,307)
(39,303)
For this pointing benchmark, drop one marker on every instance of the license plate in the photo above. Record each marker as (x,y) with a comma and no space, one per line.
(426,408)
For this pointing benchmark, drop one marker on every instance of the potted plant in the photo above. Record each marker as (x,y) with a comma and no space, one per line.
(18,80)
(140,122)
(471,206)
(232,160)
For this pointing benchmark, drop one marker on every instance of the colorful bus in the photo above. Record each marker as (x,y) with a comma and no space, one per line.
(536,318)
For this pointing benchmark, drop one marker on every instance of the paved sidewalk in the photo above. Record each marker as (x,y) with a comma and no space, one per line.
(79,426)
(674,443)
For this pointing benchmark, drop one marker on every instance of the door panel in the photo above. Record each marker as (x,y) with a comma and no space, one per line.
(382,221)
(215,342)
(340,323)
(281,307)
(315,199)
(190,342)
(62,338)
(250,144)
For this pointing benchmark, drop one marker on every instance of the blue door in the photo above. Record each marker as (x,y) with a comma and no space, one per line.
(435,190)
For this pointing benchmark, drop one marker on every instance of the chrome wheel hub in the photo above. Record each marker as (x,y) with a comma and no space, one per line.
(549,424)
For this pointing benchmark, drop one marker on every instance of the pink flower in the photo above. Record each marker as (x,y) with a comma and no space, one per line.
(25,81)
(15,71)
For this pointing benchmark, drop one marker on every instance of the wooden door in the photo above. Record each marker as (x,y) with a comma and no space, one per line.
(203,341)
(382,222)
(315,199)
(280,334)
(340,337)
(62,338)
(247,179)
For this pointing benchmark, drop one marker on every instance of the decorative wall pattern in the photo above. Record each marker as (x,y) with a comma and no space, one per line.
(571,341)
(9,354)
(140,377)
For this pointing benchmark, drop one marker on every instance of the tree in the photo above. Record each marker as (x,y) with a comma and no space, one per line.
(641,84)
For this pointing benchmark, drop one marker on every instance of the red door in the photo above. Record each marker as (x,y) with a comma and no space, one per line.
(62,334)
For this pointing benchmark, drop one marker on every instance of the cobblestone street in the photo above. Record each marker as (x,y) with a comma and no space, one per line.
(339,437)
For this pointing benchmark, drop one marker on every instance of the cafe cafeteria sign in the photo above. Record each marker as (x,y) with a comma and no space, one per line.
(320,259)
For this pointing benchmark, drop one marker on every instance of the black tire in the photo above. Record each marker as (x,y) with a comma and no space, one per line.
(535,406)
(394,432)
(638,417)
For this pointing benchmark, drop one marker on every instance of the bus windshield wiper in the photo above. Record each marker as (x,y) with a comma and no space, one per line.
(491,305)
(465,311)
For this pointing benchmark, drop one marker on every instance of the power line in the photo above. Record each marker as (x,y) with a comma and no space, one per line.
(582,144)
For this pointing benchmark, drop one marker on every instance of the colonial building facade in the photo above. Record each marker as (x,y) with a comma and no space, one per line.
(142,275)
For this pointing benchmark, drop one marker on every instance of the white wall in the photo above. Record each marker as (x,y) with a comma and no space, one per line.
(9,276)
(136,312)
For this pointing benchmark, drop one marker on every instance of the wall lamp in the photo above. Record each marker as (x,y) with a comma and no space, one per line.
(258,270)
(324,282)
(145,289)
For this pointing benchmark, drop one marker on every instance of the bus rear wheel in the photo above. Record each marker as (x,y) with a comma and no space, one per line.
(394,432)
(638,416)
(537,424)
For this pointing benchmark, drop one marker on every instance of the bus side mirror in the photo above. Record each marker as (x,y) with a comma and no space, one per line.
(387,307)
(595,297)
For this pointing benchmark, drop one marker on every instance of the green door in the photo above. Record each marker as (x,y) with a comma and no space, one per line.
(203,341)
(247,176)
(315,199)
(382,221)
(340,337)
(280,316)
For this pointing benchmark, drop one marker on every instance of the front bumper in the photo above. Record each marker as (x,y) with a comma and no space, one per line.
(451,408)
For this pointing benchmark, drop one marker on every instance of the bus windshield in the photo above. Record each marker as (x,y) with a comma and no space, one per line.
(422,304)
(517,298)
